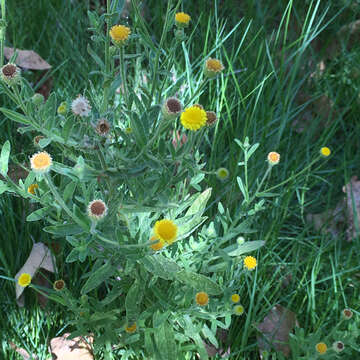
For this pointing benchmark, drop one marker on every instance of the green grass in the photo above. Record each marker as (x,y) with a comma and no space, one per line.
(267,57)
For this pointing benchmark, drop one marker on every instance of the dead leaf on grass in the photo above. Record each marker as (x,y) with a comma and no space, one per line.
(352,191)
(27,59)
(25,355)
(40,257)
(212,350)
(78,348)
(275,330)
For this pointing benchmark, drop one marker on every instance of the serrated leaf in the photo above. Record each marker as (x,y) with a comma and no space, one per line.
(97,277)
(4,158)
(38,214)
(247,247)
(198,281)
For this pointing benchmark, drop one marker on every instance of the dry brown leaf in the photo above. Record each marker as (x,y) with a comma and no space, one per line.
(212,350)
(25,355)
(77,348)
(352,191)
(40,257)
(27,59)
(275,330)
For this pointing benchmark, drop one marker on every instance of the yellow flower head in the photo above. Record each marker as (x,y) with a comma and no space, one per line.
(193,118)
(41,162)
(202,298)
(250,263)
(158,245)
(273,158)
(213,67)
(130,328)
(24,279)
(325,151)
(321,348)
(182,19)
(62,109)
(222,173)
(119,34)
(238,310)
(235,298)
(32,187)
(165,230)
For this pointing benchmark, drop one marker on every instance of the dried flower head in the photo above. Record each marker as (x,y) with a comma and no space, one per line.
(211,118)
(158,245)
(165,230)
(31,188)
(97,209)
(222,173)
(202,298)
(199,106)
(273,158)
(59,285)
(325,151)
(62,109)
(102,127)
(321,348)
(130,328)
(80,106)
(41,162)
(347,314)
(37,139)
(338,346)
(24,279)
(213,67)
(235,298)
(238,309)
(250,263)
(119,34)
(171,108)
(182,20)
(193,118)
(10,74)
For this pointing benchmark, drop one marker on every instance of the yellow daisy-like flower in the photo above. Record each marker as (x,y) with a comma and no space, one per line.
(273,158)
(182,19)
(321,348)
(250,263)
(213,67)
(119,34)
(32,187)
(235,298)
(222,173)
(165,230)
(24,279)
(325,151)
(202,298)
(193,118)
(238,310)
(157,246)
(130,328)
(41,162)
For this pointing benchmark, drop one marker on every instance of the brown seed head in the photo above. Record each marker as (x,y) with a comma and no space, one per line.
(59,285)
(97,209)
(211,118)
(102,127)
(9,70)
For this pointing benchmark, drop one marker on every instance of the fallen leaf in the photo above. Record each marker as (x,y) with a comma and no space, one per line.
(212,350)
(352,191)
(275,329)
(78,348)
(40,257)
(27,59)
(41,280)
(25,355)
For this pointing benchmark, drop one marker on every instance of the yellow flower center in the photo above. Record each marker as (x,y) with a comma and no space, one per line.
(24,279)
(165,230)
(214,65)
(321,348)
(235,298)
(202,298)
(41,161)
(274,157)
(250,262)
(182,18)
(119,33)
(157,246)
(32,187)
(325,151)
(131,329)
(193,118)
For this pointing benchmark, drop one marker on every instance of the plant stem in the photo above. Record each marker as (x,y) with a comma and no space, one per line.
(107,61)
(2,31)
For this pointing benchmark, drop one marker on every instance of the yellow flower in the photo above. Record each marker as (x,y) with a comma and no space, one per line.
(24,279)
(41,162)
(321,348)
(273,158)
(62,109)
(213,67)
(222,173)
(238,310)
(165,230)
(193,118)
(130,328)
(250,263)
(32,187)
(235,298)
(119,34)
(158,245)
(202,298)
(182,19)
(325,151)
(128,130)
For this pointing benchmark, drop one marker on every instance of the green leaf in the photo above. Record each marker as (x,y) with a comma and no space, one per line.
(246,247)
(64,230)
(13,115)
(69,190)
(199,282)
(4,158)
(97,277)
(44,142)
(115,292)
(165,341)
(132,301)
(38,214)
(160,266)
(3,187)
(198,206)
(193,333)
(73,256)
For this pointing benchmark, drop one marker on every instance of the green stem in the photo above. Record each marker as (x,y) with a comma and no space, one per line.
(2,31)
(107,61)
(123,76)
